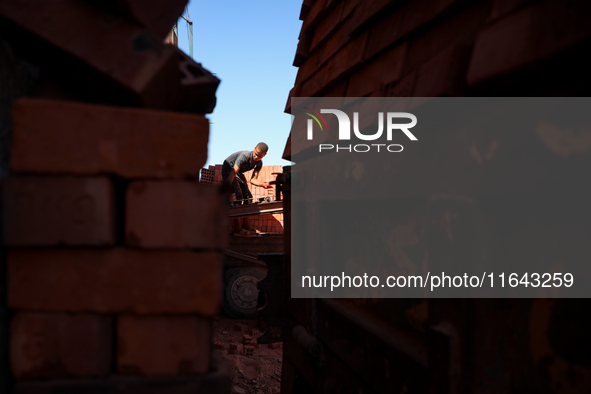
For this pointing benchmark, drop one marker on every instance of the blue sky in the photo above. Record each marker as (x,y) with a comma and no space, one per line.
(250,46)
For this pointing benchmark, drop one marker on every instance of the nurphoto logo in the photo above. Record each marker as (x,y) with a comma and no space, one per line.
(345,130)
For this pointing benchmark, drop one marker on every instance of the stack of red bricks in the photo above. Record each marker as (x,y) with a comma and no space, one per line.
(434,48)
(114,266)
(212,175)
(272,223)
(385,48)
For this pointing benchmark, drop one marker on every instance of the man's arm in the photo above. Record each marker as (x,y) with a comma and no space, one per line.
(233,173)
(257,182)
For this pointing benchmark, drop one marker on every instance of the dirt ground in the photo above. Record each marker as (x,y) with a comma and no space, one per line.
(259,373)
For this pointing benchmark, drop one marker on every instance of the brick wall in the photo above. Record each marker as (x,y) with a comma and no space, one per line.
(113,263)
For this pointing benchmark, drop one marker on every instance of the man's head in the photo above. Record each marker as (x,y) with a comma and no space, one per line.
(259,151)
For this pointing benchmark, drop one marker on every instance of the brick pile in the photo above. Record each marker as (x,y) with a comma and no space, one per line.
(434,48)
(427,48)
(113,248)
(272,223)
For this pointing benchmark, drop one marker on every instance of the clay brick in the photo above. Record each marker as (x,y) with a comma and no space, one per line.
(246,338)
(307,70)
(501,8)
(114,280)
(401,22)
(366,11)
(326,27)
(239,327)
(198,86)
(347,59)
(383,70)
(335,43)
(58,210)
(306,5)
(248,350)
(338,91)
(216,381)
(239,349)
(219,345)
(111,52)
(316,84)
(528,36)
(303,49)
(294,92)
(275,345)
(72,138)
(445,34)
(175,214)
(163,345)
(286,155)
(156,16)
(403,88)
(315,15)
(445,74)
(47,345)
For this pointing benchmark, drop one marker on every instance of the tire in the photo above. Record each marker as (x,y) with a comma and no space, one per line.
(241,291)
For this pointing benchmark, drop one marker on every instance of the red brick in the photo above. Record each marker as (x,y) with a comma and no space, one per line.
(248,350)
(155,15)
(175,214)
(47,345)
(308,69)
(346,60)
(41,211)
(445,74)
(198,86)
(326,27)
(114,280)
(286,155)
(404,88)
(338,40)
(303,49)
(316,84)
(366,11)
(459,28)
(533,34)
(163,345)
(401,22)
(338,91)
(306,5)
(383,70)
(217,381)
(294,92)
(109,50)
(72,138)
(502,8)
(314,16)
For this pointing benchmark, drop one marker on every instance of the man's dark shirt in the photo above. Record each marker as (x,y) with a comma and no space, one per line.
(243,159)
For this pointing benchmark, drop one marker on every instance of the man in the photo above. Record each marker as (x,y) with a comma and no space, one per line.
(233,171)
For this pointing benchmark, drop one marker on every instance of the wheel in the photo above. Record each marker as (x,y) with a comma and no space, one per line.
(241,291)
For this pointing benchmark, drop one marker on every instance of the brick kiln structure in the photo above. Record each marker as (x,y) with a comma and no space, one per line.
(111,264)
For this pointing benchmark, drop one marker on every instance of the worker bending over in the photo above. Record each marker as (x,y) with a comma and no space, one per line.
(233,171)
